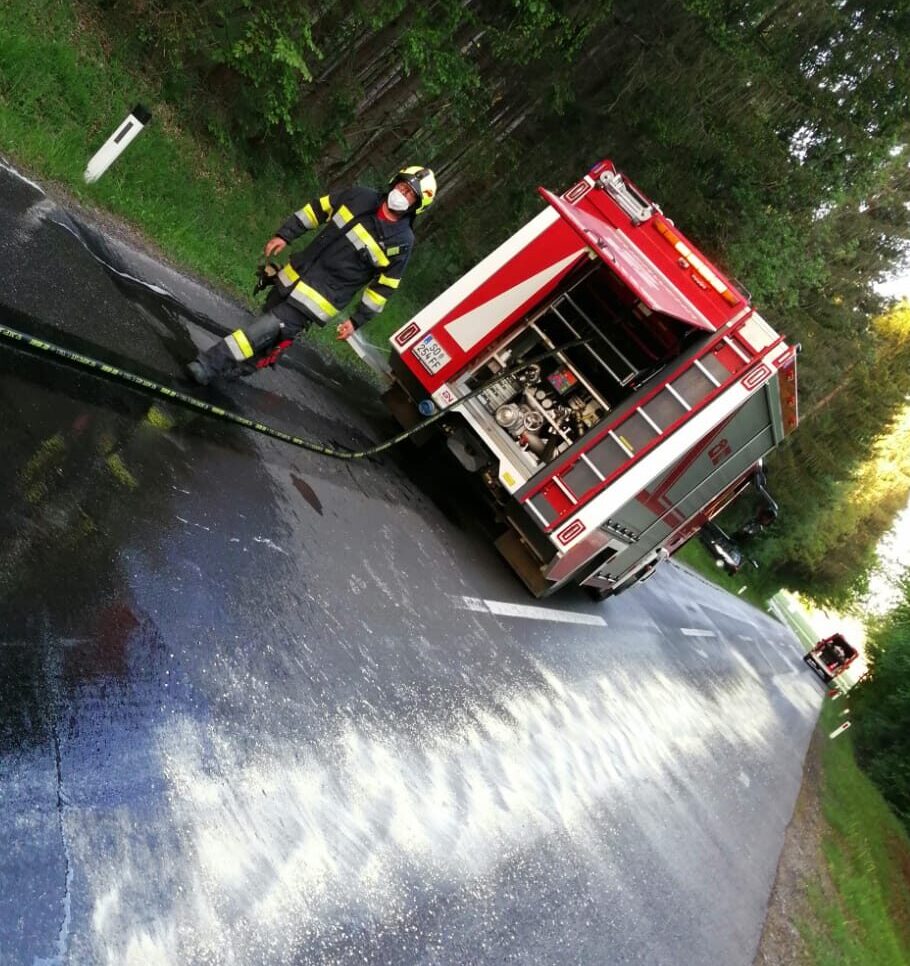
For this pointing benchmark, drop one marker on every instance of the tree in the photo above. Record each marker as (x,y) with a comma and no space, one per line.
(882,734)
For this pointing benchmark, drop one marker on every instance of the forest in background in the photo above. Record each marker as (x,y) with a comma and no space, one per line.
(774,132)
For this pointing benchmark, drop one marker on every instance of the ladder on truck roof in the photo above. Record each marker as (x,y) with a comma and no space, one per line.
(607,452)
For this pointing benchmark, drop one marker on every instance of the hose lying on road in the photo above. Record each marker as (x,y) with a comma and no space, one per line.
(106,370)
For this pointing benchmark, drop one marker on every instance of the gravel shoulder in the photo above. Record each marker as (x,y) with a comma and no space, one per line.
(801,866)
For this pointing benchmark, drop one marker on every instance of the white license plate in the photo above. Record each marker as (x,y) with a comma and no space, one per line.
(431,354)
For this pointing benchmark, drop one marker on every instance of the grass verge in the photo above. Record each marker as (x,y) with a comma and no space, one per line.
(864,918)
(791,612)
(694,555)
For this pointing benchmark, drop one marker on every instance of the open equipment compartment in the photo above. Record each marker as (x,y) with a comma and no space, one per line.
(539,412)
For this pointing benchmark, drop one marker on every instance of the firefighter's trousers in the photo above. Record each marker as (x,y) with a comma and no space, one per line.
(259,344)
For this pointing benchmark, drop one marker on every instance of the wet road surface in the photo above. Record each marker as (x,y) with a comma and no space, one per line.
(261,707)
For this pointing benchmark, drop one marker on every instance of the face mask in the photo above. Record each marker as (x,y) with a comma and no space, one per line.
(397,201)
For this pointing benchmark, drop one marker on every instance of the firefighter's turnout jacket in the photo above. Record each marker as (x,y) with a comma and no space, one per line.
(356,248)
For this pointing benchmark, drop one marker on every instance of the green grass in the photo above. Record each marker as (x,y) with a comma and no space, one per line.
(800,623)
(867,851)
(694,555)
(796,618)
(63,90)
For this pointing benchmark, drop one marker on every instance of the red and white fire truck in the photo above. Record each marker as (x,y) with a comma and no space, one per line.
(662,391)
(837,663)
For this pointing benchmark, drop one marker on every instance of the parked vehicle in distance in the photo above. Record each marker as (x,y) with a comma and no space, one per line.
(837,663)
(727,553)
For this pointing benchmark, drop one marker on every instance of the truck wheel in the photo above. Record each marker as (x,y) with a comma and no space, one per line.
(399,404)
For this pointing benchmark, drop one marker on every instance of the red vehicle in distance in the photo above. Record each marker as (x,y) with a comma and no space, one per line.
(837,663)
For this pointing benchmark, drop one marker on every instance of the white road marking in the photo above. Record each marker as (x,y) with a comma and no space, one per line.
(745,637)
(20,176)
(503,608)
(704,654)
(697,632)
(151,286)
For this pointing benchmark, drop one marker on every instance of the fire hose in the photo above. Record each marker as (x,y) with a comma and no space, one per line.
(105,370)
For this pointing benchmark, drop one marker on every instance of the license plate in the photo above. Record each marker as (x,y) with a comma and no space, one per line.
(431,354)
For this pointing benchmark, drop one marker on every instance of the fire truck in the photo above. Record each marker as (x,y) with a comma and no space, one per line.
(651,393)
(837,663)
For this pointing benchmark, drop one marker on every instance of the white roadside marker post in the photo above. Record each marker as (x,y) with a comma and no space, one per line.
(839,730)
(117,143)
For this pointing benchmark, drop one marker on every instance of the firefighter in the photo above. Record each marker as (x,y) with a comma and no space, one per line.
(833,654)
(366,241)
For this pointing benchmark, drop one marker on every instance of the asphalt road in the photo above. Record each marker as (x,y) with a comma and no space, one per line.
(257,706)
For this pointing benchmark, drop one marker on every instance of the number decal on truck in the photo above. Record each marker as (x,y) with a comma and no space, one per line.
(719,452)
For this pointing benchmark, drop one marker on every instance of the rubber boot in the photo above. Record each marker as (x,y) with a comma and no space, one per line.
(236,351)
(215,361)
